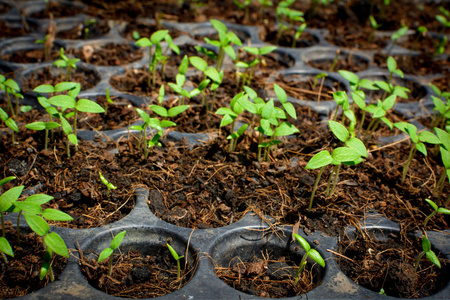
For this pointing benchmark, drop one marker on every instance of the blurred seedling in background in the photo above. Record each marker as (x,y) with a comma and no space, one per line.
(11,88)
(396,36)
(67,64)
(180,80)
(108,251)
(243,5)
(251,65)
(10,123)
(374,24)
(108,101)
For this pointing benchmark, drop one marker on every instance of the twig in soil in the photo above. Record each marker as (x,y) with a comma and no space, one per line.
(118,208)
(29,169)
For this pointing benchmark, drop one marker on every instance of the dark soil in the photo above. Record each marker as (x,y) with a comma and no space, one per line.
(21,275)
(145,30)
(95,30)
(420,65)
(344,61)
(136,275)
(31,56)
(388,263)
(427,44)
(268,275)
(109,55)
(287,39)
(11,32)
(58,10)
(353,37)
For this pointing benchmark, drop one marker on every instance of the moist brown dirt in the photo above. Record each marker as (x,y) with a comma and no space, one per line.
(94,30)
(30,56)
(344,61)
(111,54)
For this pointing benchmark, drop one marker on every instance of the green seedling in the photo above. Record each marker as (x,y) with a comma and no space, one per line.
(177,258)
(396,36)
(36,218)
(86,27)
(64,102)
(2,183)
(421,32)
(444,148)
(289,16)
(157,55)
(180,80)
(313,4)
(10,123)
(352,154)
(11,88)
(43,126)
(335,60)
(417,140)
(64,63)
(356,83)
(444,19)
(309,252)
(250,66)
(108,101)
(200,64)
(264,5)
(47,46)
(298,33)
(243,5)
(374,24)
(379,111)
(440,49)
(436,210)
(108,251)
(225,42)
(108,184)
(426,250)
(216,78)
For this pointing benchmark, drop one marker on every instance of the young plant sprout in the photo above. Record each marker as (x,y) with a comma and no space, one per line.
(443,108)
(352,154)
(374,24)
(66,102)
(258,52)
(417,142)
(444,148)
(309,252)
(440,49)
(335,60)
(4,207)
(10,123)
(426,250)
(379,111)
(264,5)
(65,63)
(356,83)
(436,210)
(395,36)
(11,88)
(177,258)
(421,32)
(288,15)
(108,101)
(298,33)
(200,64)
(86,27)
(444,19)
(108,251)
(225,42)
(157,55)
(180,80)
(108,184)
(36,218)
(47,51)
(243,5)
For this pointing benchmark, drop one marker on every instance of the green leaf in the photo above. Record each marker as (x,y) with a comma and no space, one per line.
(36,126)
(367,84)
(267,110)
(433,205)
(56,215)
(389,102)
(65,86)
(227,119)
(5,247)
(439,104)
(3,115)
(184,65)
(226,111)
(290,109)
(167,123)
(213,74)
(305,245)
(443,210)
(198,63)
(281,94)
(143,42)
(345,154)
(56,243)
(433,258)
(358,145)
(63,101)
(428,137)
(219,26)
(66,126)
(51,125)
(230,51)
(158,36)
(37,224)
(86,105)
(73,139)
(350,76)
(421,148)
(359,99)
(340,97)
(445,155)
(267,50)
(28,207)
(143,115)
(444,137)
(321,159)
(44,270)
(383,85)
(285,129)
(117,240)
(173,252)
(339,130)
(315,255)
(8,197)
(174,111)
(7,179)
(44,88)
(391,64)
(105,254)
(12,125)
(159,110)
(12,85)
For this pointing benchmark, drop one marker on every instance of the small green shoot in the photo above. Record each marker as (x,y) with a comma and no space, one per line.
(108,101)
(397,35)
(64,63)
(374,24)
(11,88)
(177,258)
(426,250)
(10,123)
(108,251)
(108,184)
(309,252)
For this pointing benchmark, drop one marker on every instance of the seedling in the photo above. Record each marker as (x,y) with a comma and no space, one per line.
(264,6)
(67,102)
(47,49)
(108,251)
(374,24)
(352,154)
(298,33)
(355,82)
(200,64)
(65,63)
(177,258)
(417,142)
(10,123)
(180,80)
(225,42)
(309,252)
(421,32)
(440,49)
(86,27)
(444,148)
(258,52)
(397,35)
(35,217)
(335,60)
(436,210)
(108,184)
(11,88)
(444,19)
(426,246)
(108,101)
(4,208)
(243,5)
(379,112)
(158,55)
(289,15)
